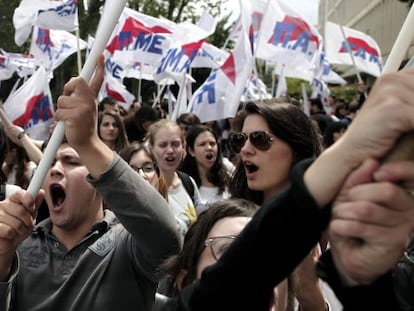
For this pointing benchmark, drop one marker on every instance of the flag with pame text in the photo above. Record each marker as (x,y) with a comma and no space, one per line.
(219,96)
(365,50)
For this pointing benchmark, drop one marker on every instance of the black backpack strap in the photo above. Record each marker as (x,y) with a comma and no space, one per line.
(187,183)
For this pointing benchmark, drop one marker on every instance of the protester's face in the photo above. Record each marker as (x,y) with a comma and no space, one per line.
(108,129)
(205,150)
(267,170)
(228,226)
(109,107)
(72,201)
(143,164)
(168,148)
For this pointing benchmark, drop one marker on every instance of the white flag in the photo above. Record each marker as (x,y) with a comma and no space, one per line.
(52,14)
(365,50)
(114,88)
(52,47)
(287,38)
(31,107)
(219,96)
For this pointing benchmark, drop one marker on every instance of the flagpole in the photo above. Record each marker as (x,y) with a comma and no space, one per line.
(348,47)
(156,100)
(140,83)
(106,25)
(404,148)
(78,52)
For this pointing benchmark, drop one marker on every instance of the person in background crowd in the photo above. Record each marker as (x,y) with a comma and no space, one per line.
(6,190)
(143,162)
(111,130)
(204,162)
(21,138)
(137,127)
(333,132)
(108,104)
(167,144)
(186,120)
(17,167)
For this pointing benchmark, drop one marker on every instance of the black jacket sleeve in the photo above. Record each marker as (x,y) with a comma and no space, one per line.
(379,295)
(279,236)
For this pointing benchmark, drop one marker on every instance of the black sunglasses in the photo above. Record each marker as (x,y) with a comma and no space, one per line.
(261,140)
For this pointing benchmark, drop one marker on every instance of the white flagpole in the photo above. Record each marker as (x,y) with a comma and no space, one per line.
(348,47)
(404,148)
(78,51)
(110,16)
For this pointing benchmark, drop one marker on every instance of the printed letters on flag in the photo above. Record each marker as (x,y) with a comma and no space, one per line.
(287,38)
(186,41)
(52,47)
(219,96)
(31,107)
(366,52)
(59,15)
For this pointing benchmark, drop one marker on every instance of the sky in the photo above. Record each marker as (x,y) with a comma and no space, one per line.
(307,8)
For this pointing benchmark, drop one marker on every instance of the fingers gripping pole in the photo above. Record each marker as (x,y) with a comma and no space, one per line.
(110,16)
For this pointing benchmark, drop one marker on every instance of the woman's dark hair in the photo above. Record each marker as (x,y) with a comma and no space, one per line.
(217,175)
(23,174)
(122,140)
(193,245)
(135,147)
(188,118)
(290,124)
(334,127)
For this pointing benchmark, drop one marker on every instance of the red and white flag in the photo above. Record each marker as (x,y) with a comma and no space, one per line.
(186,41)
(114,88)
(287,38)
(365,51)
(209,56)
(219,96)
(51,47)
(31,107)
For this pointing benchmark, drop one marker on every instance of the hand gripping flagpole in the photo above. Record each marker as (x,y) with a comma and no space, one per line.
(404,147)
(110,16)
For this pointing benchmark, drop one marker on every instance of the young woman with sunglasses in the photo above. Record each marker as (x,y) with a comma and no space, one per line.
(143,162)
(204,162)
(273,137)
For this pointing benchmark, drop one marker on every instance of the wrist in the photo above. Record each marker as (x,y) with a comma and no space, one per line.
(316,176)
(20,135)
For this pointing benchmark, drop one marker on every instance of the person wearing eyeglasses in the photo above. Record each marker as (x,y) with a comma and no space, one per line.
(205,242)
(140,158)
(367,204)
(273,137)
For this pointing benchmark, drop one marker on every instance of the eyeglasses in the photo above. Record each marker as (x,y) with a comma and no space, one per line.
(147,168)
(261,140)
(219,244)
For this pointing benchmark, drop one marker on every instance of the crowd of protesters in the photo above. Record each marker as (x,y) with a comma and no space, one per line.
(147,213)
